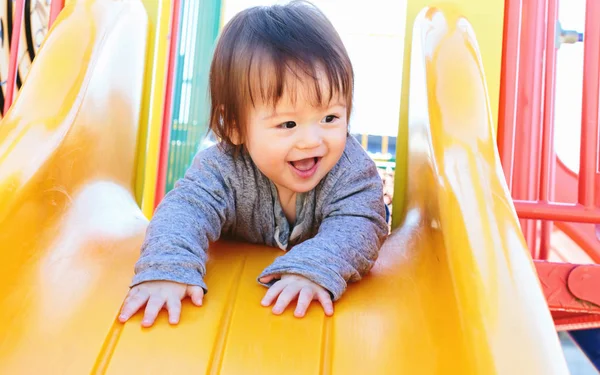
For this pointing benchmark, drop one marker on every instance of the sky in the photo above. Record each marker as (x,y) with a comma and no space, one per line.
(569,85)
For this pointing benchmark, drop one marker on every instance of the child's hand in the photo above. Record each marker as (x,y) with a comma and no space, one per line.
(291,286)
(157,294)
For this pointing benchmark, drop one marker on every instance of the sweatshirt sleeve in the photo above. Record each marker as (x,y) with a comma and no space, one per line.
(189,217)
(349,238)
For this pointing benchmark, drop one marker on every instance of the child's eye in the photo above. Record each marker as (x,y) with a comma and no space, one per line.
(288,125)
(330,118)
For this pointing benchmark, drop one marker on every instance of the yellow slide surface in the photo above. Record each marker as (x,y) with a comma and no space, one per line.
(454,291)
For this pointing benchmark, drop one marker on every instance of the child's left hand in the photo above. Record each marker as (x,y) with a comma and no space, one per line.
(291,286)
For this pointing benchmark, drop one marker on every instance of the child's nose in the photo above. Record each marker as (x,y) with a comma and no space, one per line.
(310,138)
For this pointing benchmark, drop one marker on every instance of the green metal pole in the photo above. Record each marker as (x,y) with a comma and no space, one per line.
(199,29)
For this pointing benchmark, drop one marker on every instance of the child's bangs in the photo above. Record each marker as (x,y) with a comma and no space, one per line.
(272,77)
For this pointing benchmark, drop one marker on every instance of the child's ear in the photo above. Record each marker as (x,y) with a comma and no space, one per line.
(235,137)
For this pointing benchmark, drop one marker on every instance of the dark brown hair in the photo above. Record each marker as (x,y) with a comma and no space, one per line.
(263,45)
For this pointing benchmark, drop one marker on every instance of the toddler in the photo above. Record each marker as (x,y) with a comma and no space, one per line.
(285,172)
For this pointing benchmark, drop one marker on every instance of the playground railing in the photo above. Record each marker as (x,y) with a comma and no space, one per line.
(55,7)
(526,117)
(545,192)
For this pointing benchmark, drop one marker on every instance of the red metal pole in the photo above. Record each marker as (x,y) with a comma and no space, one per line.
(548,162)
(557,211)
(589,109)
(55,7)
(163,157)
(566,191)
(527,156)
(14,54)
(508,88)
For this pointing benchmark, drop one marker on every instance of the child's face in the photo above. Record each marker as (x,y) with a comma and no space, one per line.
(296,144)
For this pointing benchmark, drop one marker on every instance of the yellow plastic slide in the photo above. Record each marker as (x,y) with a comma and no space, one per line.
(454,291)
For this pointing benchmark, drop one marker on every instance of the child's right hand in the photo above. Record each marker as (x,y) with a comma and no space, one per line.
(155,294)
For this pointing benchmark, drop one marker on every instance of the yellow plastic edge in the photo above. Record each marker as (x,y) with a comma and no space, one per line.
(457,188)
(487,19)
(159,15)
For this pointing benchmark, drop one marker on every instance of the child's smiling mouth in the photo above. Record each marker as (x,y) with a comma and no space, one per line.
(305,168)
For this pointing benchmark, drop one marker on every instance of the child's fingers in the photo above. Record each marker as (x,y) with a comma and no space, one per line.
(174,309)
(267,279)
(325,300)
(155,303)
(285,297)
(304,299)
(132,304)
(272,293)
(196,293)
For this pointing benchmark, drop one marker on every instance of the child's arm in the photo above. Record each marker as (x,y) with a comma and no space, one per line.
(173,254)
(189,217)
(351,233)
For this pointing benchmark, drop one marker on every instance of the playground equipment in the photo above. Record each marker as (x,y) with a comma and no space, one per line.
(542,186)
(454,291)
